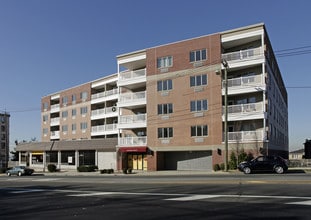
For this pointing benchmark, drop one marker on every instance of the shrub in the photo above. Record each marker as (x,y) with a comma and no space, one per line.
(129,170)
(110,171)
(216,167)
(103,171)
(87,168)
(52,168)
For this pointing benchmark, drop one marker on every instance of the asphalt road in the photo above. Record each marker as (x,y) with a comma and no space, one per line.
(235,196)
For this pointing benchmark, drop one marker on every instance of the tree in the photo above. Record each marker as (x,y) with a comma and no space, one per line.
(233,161)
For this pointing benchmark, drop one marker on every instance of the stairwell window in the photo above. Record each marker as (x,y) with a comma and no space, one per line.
(198,55)
(164,62)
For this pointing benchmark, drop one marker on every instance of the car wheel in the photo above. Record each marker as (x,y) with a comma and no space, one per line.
(8,174)
(19,173)
(279,169)
(247,170)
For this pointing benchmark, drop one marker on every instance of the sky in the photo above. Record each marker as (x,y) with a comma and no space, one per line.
(50,45)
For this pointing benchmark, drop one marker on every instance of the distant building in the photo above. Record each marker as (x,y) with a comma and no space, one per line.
(164,108)
(297,154)
(4,139)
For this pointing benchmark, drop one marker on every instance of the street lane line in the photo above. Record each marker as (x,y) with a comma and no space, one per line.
(194,197)
(308,202)
(28,191)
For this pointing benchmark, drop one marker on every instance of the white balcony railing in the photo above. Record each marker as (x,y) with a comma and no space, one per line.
(244,81)
(133,141)
(55,108)
(55,121)
(243,54)
(244,136)
(103,111)
(131,119)
(245,108)
(104,128)
(105,94)
(133,97)
(54,135)
(132,74)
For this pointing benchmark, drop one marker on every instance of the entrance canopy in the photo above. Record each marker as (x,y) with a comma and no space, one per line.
(133,149)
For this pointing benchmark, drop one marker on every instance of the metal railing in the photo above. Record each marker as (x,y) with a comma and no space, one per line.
(243,54)
(105,94)
(130,119)
(244,81)
(133,141)
(241,136)
(103,128)
(245,108)
(132,97)
(132,74)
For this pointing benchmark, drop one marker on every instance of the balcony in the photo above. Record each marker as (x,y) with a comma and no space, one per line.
(133,141)
(104,96)
(248,56)
(132,99)
(244,84)
(246,136)
(54,135)
(55,108)
(245,111)
(104,113)
(130,78)
(55,121)
(133,121)
(104,129)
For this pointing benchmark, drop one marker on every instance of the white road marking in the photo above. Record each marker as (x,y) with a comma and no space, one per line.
(194,197)
(46,179)
(28,191)
(308,202)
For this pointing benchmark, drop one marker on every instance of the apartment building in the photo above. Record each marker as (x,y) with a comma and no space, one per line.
(164,108)
(5,139)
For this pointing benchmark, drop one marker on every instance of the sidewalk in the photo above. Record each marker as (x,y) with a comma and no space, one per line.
(136,173)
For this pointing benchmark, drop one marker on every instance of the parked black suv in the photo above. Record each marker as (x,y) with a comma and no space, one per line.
(264,164)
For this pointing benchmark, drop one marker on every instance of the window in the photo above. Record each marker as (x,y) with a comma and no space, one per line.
(73,112)
(165,62)
(45,118)
(65,100)
(198,80)
(83,96)
(198,55)
(199,105)
(165,132)
(45,105)
(73,127)
(45,131)
(83,125)
(73,99)
(165,108)
(64,114)
(83,110)
(165,85)
(199,130)
(65,128)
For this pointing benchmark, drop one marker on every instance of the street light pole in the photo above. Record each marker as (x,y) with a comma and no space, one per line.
(226,66)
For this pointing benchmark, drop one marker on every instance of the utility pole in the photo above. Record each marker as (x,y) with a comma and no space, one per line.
(226,66)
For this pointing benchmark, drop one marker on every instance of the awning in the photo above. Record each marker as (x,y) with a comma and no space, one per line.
(132,149)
